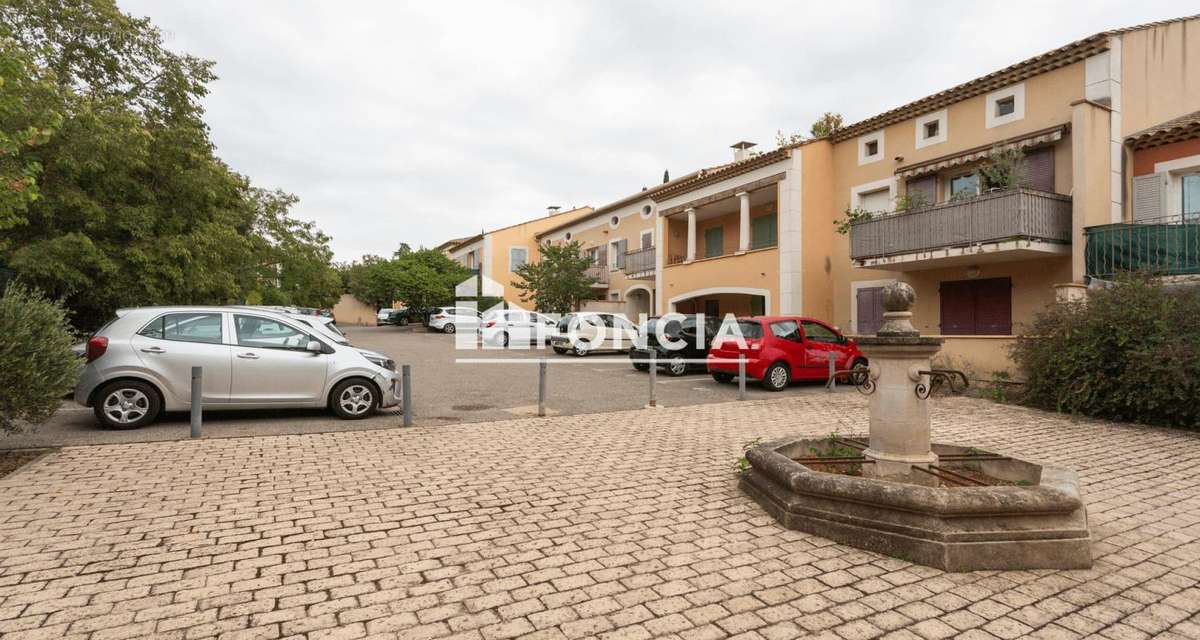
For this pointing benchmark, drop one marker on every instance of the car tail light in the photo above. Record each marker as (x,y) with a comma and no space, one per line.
(96,347)
(439,317)
(491,323)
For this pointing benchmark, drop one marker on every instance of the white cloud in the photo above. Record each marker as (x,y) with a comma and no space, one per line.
(418,122)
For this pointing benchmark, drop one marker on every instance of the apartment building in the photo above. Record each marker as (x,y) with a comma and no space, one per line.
(620,240)
(499,253)
(1090,119)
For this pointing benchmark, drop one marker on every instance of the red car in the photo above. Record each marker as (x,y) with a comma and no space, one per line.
(780,349)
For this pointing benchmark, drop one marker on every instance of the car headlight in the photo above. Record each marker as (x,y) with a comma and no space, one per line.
(386,363)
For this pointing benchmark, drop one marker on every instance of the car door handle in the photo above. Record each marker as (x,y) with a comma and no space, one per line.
(154,350)
(248,356)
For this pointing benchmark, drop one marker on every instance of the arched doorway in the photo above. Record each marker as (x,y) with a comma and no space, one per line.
(638,300)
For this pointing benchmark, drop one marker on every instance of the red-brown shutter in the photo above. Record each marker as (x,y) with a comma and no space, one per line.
(1039,169)
(925,186)
(958,308)
(993,306)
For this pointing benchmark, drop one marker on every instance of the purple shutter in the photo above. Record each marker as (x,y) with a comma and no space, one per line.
(958,308)
(870,310)
(993,306)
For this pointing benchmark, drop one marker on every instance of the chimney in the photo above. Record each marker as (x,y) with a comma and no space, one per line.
(552,210)
(741,150)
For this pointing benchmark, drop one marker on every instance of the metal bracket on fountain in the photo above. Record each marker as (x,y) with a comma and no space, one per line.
(930,379)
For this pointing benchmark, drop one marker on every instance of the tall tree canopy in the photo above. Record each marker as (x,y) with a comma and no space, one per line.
(111,193)
(558,282)
(419,278)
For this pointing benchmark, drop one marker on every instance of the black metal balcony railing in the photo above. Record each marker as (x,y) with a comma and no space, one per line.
(1168,246)
(599,273)
(992,217)
(639,262)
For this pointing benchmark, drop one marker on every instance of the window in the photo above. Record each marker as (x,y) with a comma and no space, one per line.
(763,231)
(817,332)
(976,307)
(786,329)
(870,147)
(869,312)
(268,333)
(1191,197)
(618,251)
(568,236)
(750,329)
(714,242)
(876,201)
(614,221)
(931,129)
(964,186)
(648,239)
(185,327)
(614,296)
(1006,106)
(646,211)
(517,257)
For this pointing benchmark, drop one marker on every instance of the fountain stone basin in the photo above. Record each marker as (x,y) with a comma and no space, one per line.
(1034,518)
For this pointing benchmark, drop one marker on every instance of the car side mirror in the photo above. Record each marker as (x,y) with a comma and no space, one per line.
(314,347)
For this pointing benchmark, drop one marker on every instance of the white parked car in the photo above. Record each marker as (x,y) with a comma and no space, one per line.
(454,319)
(505,326)
(590,331)
(140,364)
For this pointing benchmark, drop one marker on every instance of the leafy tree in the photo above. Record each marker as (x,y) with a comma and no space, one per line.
(35,347)
(826,125)
(558,282)
(27,111)
(133,205)
(420,278)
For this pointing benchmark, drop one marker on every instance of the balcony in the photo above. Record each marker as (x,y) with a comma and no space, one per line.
(598,273)
(1005,225)
(1160,246)
(640,264)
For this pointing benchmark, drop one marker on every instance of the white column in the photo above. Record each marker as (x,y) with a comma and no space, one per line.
(691,245)
(744,226)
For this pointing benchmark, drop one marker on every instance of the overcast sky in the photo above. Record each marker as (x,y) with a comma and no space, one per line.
(418,122)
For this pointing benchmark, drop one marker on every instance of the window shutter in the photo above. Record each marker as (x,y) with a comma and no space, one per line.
(925,186)
(1147,197)
(993,306)
(602,257)
(958,308)
(763,232)
(621,253)
(870,310)
(1039,169)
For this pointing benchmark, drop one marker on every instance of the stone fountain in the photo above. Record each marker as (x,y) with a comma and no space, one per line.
(944,505)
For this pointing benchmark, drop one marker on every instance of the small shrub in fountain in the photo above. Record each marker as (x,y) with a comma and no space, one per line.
(35,347)
(1131,352)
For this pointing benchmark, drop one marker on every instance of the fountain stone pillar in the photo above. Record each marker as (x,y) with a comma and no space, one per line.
(899,415)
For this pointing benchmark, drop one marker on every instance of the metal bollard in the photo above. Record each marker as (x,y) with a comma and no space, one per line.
(653,378)
(197,399)
(741,377)
(406,392)
(832,386)
(542,387)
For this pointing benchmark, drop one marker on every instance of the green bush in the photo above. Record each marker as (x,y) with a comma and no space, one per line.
(1131,352)
(35,349)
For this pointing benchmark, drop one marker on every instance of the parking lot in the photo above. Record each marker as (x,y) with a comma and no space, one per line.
(450,385)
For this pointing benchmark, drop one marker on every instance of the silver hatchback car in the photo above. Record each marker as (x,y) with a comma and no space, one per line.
(140,364)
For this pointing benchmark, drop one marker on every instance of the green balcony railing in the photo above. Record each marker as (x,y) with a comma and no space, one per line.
(1162,246)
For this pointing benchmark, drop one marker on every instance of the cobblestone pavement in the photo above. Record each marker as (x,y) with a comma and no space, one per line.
(619,525)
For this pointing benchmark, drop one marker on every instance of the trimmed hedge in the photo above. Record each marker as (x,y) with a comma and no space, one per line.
(1131,353)
(37,366)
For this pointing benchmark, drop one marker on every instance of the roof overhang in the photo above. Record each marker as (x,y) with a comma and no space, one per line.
(1178,129)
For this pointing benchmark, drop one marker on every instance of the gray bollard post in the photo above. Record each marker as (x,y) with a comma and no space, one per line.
(741,377)
(542,387)
(653,378)
(406,392)
(197,399)
(832,386)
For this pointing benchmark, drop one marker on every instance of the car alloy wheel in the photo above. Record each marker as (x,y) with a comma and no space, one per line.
(448,328)
(356,399)
(126,406)
(580,349)
(776,377)
(677,366)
